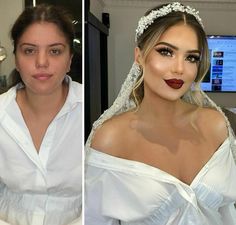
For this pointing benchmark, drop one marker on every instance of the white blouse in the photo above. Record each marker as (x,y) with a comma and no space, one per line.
(41,188)
(120,191)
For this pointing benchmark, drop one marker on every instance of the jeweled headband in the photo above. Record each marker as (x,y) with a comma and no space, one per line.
(146,21)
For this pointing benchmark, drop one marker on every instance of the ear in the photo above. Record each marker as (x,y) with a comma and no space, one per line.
(138,56)
(69,63)
(16,64)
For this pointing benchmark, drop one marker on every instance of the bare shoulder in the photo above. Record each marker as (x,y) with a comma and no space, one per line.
(112,136)
(213,122)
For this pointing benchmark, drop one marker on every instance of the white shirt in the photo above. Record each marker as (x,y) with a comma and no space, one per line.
(120,191)
(41,188)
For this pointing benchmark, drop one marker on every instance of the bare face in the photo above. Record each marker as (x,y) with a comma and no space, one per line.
(43,58)
(172,65)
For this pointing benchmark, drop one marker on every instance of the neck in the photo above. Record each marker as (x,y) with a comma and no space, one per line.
(155,109)
(39,104)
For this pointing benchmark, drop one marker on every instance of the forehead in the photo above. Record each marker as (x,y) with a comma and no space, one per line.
(180,35)
(42,33)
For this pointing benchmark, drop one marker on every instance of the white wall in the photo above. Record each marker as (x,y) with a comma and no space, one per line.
(9,11)
(218,17)
(96,8)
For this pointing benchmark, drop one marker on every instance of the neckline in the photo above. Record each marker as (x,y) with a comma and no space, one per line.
(167,176)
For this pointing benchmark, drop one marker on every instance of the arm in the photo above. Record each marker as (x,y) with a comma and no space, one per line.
(101,206)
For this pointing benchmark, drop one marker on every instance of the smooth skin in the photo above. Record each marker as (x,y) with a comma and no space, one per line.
(166,132)
(42,58)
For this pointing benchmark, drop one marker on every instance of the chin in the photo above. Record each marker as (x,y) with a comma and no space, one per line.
(177,94)
(173,97)
(41,90)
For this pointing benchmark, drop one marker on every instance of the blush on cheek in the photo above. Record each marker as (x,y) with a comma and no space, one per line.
(158,68)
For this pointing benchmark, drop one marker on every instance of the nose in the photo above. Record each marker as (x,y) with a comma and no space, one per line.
(42,59)
(178,65)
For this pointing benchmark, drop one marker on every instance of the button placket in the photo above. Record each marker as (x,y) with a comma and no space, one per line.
(47,144)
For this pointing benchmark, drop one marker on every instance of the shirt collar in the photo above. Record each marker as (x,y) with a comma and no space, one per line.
(74,97)
(75,93)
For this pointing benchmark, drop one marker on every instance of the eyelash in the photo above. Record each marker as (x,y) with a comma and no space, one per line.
(31,51)
(55,51)
(165,51)
(192,58)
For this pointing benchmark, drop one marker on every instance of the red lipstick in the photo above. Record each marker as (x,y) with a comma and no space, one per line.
(175,83)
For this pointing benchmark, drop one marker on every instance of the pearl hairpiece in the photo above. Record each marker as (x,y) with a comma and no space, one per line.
(146,21)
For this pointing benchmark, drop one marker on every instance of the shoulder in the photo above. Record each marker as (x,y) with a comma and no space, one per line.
(112,136)
(76,90)
(213,122)
(7,97)
(76,86)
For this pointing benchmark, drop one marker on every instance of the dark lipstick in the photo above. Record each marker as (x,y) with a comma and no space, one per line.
(175,83)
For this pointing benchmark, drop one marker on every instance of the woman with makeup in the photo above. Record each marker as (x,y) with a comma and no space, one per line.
(163,153)
(41,124)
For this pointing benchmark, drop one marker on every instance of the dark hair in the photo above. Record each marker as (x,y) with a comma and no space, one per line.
(44,13)
(150,36)
(41,13)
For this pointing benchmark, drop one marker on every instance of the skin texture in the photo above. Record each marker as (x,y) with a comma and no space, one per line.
(40,53)
(176,59)
(166,132)
(42,58)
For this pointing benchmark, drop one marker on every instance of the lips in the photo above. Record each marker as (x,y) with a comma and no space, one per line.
(175,83)
(42,76)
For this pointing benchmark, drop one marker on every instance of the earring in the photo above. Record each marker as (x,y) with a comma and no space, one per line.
(137,70)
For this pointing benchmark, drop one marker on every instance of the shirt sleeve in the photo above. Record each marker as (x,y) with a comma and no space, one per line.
(94,196)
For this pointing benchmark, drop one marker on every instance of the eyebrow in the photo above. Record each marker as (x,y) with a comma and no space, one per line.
(33,45)
(176,48)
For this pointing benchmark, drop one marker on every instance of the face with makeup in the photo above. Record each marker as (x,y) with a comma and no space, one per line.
(171,66)
(43,57)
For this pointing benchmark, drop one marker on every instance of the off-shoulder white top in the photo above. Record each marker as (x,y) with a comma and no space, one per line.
(120,191)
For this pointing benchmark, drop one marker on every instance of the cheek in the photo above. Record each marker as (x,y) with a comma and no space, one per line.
(22,64)
(157,68)
(192,70)
(63,64)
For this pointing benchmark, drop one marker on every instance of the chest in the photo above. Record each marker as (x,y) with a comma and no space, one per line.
(180,156)
(153,189)
(37,128)
(21,167)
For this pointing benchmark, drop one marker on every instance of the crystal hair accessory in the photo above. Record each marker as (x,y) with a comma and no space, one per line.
(146,21)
